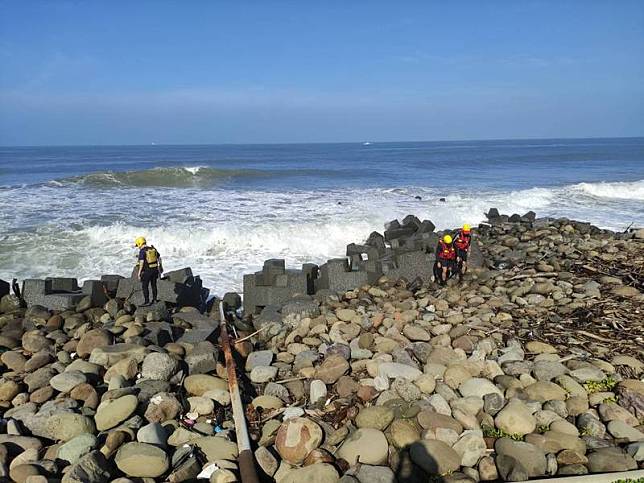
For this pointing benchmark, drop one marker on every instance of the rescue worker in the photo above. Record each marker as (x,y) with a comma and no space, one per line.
(462,242)
(150,269)
(445,260)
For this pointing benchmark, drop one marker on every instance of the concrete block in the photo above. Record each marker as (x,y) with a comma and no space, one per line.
(411,220)
(95,289)
(175,293)
(311,270)
(426,227)
(62,284)
(272,268)
(183,275)
(336,275)
(492,213)
(275,285)
(4,288)
(111,283)
(404,231)
(61,301)
(377,241)
(410,265)
(34,290)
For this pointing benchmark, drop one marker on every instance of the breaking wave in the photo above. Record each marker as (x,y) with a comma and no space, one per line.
(633,190)
(171,177)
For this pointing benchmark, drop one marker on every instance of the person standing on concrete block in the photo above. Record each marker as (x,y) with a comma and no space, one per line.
(150,269)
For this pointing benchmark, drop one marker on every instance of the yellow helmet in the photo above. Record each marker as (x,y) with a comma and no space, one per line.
(140,241)
(447,239)
(466,228)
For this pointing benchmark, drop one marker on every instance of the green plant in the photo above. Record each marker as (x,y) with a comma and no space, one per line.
(604,385)
(610,400)
(490,432)
(630,480)
(542,428)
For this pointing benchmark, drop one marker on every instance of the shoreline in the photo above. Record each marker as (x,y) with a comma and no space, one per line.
(531,367)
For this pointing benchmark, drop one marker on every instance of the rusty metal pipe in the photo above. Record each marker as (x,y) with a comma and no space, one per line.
(246,459)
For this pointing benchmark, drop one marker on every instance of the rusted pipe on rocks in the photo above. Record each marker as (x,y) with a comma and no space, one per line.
(246,459)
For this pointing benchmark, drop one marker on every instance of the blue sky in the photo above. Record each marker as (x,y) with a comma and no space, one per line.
(85,72)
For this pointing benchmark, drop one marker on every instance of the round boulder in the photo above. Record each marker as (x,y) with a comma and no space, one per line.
(296,438)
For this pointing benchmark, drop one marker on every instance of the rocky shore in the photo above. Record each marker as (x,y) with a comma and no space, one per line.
(530,367)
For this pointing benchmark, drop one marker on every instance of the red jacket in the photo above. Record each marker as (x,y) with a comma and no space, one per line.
(462,240)
(445,251)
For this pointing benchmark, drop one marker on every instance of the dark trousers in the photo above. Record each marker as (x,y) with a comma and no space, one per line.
(149,277)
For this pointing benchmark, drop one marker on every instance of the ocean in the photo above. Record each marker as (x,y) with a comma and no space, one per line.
(224,209)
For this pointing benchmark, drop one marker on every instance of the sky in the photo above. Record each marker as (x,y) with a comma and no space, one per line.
(123,72)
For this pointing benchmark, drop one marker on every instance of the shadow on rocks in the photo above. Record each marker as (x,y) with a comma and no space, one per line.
(408,471)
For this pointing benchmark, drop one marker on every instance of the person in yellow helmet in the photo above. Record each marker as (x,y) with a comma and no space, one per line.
(150,269)
(445,259)
(462,242)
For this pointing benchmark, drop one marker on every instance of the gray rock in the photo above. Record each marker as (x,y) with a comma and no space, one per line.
(435,457)
(154,434)
(375,474)
(159,367)
(621,430)
(259,358)
(478,387)
(67,381)
(493,403)
(77,447)
(511,469)
(532,458)
(610,459)
(142,460)
(263,374)
(91,468)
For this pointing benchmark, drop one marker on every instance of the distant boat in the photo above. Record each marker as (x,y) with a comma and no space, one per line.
(366,144)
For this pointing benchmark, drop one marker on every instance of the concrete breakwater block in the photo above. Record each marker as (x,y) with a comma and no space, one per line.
(4,288)
(130,289)
(274,285)
(62,293)
(406,250)
(41,292)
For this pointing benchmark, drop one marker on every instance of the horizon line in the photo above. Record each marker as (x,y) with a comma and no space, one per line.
(322,142)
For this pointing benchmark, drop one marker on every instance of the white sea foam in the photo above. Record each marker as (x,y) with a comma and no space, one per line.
(619,190)
(223,234)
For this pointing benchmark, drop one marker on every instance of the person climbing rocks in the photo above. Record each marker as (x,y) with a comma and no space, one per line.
(445,260)
(462,242)
(150,269)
